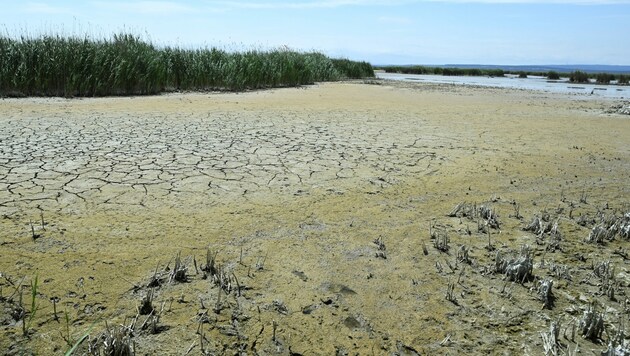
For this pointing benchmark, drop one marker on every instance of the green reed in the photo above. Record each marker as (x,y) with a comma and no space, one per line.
(125,64)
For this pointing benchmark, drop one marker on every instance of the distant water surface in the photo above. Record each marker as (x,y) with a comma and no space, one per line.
(511,81)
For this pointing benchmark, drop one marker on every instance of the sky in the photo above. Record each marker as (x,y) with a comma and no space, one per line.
(501,32)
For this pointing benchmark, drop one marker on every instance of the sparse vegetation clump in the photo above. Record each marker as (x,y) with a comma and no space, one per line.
(604,78)
(125,64)
(518,268)
(578,77)
(609,227)
(552,75)
(574,77)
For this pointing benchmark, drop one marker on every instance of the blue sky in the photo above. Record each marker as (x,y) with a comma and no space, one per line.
(382,32)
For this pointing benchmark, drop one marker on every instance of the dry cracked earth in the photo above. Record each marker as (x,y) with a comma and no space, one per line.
(314,221)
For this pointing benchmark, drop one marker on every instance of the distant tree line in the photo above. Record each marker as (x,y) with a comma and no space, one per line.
(447,71)
(574,77)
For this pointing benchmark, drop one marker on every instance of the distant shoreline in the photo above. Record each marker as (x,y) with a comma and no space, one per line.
(588,68)
(538,83)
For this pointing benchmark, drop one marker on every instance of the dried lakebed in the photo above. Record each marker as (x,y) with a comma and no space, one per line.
(315,221)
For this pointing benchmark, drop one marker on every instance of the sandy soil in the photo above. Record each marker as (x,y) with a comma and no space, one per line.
(319,204)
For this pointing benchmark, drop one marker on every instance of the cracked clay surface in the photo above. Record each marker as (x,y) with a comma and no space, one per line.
(60,163)
(319,205)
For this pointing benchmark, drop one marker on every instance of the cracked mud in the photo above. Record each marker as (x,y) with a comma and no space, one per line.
(319,201)
(61,165)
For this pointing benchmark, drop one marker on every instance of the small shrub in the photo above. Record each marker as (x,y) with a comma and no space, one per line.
(604,78)
(552,75)
(522,75)
(623,79)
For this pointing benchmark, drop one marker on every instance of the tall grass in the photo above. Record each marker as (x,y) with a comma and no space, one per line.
(125,64)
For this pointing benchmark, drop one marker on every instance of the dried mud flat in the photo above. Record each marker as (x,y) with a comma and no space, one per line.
(340,218)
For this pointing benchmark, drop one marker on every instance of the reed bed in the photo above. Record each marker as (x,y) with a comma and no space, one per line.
(126,64)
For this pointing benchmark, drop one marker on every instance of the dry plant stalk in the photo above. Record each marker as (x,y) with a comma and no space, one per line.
(179,272)
(605,271)
(146,305)
(113,341)
(156,279)
(550,339)
(609,227)
(210,268)
(463,255)
(440,239)
(450,293)
(591,325)
(617,344)
(545,293)
(380,244)
(490,215)
(464,209)
(518,269)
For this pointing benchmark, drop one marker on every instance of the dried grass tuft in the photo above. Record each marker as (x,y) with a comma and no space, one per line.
(518,269)
(113,341)
(591,325)
(551,343)
(179,272)
(545,293)
(146,305)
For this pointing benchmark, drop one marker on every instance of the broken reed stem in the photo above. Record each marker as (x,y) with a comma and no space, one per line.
(217,306)
(275,326)
(191,347)
(260,263)
(203,351)
(33,235)
(238,285)
(489,239)
(517,211)
(23,312)
(54,301)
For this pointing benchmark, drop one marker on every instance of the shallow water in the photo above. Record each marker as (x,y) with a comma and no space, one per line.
(531,83)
